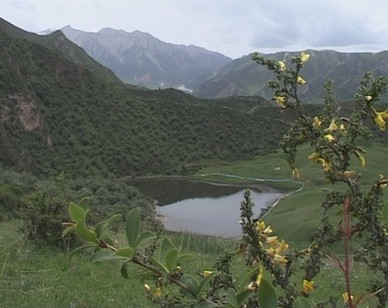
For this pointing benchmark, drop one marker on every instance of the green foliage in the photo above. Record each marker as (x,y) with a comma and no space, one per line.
(267,296)
(44,213)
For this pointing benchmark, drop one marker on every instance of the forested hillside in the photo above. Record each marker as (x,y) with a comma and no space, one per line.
(58,115)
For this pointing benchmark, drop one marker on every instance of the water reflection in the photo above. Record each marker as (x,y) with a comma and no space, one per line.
(200,207)
(212,216)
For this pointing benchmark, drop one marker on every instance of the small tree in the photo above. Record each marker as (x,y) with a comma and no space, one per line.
(44,212)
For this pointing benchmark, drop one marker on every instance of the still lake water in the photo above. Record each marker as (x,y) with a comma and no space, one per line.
(202,208)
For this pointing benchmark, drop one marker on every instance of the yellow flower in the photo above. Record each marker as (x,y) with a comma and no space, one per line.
(282,247)
(314,156)
(348,173)
(329,137)
(260,275)
(271,239)
(295,173)
(326,165)
(282,65)
(300,81)
(267,230)
(383,114)
(332,126)
(158,292)
(280,259)
(379,117)
(280,101)
(360,158)
(316,122)
(345,296)
(368,98)
(147,288)
(252,286)
(383,182)
(342,128)
(308,286)
(379,121)
(207,273)
(304,57)
(270,251)
(260,226)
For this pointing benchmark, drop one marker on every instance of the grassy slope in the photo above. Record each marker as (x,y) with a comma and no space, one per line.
(42,277)
(296,217)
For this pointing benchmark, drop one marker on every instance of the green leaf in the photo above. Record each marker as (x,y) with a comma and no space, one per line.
(112,218)
(191,284)
(84,203)
(247,278)
(100,228)
(171,259)
(144,236)
(105,255)
(302,302)
(204,282)
(133,227)
(267,295)
(85,233)
(125,252)
(104,225)
(232,297)
(69,229)
(243,296)
(124,270)
(159,265)
(166,246)
(76,212)
(183,256)
(80,248)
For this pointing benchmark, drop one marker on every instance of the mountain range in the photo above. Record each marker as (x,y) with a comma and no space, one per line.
(244,77)
(141,59)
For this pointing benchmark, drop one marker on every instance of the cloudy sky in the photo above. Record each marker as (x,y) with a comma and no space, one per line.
(231,27)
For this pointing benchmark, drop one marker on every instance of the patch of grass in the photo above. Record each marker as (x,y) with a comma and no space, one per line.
(43,277)
(203,244)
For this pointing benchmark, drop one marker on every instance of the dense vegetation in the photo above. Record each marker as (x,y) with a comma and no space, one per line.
(59,116)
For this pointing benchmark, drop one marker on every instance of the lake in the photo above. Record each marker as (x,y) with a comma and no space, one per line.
(201,207)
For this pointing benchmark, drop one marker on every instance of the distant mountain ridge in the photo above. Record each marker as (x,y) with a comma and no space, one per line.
(139,58)
(243,77)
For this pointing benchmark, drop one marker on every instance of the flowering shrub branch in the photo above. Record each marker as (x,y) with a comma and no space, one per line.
(336,141)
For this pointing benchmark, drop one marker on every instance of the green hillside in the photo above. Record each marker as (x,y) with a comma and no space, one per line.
(59,114)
